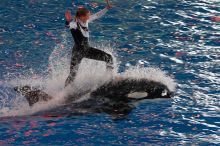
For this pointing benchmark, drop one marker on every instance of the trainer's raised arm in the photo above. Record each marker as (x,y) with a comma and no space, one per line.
(69,23)
(100,13)
(68,17)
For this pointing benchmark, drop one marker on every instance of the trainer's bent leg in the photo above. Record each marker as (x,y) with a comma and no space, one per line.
(101,56)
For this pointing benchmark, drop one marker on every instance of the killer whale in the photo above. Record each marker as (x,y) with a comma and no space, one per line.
(123,90)
(116,98)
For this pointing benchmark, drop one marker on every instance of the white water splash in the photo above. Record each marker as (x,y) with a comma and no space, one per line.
(150,73)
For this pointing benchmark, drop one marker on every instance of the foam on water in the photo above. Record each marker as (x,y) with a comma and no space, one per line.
(91,75)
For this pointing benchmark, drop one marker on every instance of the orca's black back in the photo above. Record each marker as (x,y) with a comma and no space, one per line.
(120,89)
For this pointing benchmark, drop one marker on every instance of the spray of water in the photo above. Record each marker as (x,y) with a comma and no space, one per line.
(91,75)
(150,73)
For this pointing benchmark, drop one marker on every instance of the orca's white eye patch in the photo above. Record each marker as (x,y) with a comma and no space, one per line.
(137,95)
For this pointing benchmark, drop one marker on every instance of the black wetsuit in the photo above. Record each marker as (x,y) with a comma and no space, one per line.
(82,50)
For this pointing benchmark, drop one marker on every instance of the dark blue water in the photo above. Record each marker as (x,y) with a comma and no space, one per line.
(181,37)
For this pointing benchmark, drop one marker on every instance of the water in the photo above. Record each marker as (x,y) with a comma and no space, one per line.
(181,37)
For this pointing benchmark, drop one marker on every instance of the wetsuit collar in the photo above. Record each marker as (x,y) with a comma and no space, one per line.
(84,26)
(82,23)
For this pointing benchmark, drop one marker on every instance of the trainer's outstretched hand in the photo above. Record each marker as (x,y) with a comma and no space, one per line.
(109,6)
(68,16)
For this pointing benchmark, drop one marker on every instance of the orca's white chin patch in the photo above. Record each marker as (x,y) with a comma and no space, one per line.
(137,95)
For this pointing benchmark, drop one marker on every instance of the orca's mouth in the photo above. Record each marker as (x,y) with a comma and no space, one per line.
(171,94)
